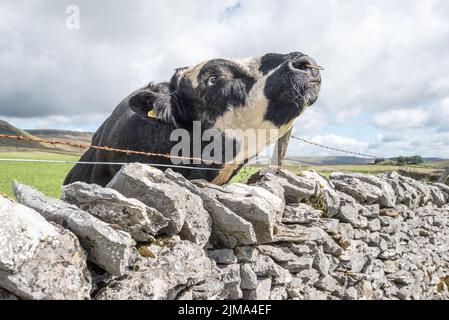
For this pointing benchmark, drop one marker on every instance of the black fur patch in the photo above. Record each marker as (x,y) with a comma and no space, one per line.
(285,91)
(158,97)
(230,89)
(175,78)
(187,101)
(271,61)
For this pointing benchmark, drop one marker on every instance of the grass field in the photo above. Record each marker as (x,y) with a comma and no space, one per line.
(362,168)
(46,177)
(326,170)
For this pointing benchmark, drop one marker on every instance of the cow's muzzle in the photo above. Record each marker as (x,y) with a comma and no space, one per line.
(306,66)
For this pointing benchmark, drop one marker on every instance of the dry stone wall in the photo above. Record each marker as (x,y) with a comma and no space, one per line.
(155,235)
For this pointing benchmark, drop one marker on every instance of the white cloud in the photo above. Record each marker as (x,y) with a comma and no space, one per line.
(62,122)
(382,146)
(440,116)
(402,119)
(344,115)
(312,121)
(337,141)
(412,144)
(385,59)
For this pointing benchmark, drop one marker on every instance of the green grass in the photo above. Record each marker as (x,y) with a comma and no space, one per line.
(244,174)
(442,164)
(367,169)
(326,170)
(46,177)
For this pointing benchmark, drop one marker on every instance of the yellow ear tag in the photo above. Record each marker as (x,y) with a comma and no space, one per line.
(152,113)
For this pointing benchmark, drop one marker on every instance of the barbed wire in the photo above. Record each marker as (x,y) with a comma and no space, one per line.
(298,162)
(333,148)
(105,148)
(106,163)
(149,154)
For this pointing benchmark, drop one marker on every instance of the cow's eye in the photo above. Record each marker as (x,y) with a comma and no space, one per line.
(211,81)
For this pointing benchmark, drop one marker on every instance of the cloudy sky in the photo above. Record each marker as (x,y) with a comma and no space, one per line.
(385,88)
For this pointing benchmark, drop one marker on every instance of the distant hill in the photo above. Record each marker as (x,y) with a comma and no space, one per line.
(80,137)
(317,161)
(64,135)
(335,160)
(51,134)
(430,159)
(11,144)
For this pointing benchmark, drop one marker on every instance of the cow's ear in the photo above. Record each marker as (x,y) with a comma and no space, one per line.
(155,101)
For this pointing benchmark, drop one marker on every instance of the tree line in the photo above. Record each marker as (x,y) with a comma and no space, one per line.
(403,160)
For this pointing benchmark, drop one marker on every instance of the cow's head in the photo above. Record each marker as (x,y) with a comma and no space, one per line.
(266,92)
(270,90)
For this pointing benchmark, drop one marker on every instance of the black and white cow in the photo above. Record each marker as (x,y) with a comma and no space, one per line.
(265,92)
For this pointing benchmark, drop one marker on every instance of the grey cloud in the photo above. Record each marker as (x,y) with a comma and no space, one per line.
(119,47)
(374,51)
(378,55)
(73,122)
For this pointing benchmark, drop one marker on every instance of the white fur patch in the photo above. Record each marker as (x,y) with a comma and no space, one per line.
(239,121)
(248,121)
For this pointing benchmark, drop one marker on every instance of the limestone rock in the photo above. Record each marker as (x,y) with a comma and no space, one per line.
(362,191)
(300,213)
(222,256)
(228,229)
(111,249)
(388,197)
(178,267)
(248,277)
(444,188)
(296,189)
(7,296)
(307,235)
(321,262)
(232,282)
(108,205)
(298,264)
(198,222)
(264,266)
(283,236)
(278,292)
(327,283)
(246,254)
(158,190)
(325,195)
(262,291)
(210,289)
(39,260)
(277,253)
(295,289)
(254,204)
(438,196)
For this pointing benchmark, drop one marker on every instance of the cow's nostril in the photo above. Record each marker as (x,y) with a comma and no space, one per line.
(301,65)
(306,64)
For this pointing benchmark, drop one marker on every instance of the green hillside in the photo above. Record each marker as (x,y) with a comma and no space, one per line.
(10,144)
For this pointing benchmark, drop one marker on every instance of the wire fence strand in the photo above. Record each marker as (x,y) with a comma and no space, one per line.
(333,148)
(149,154)
(106,163)
(105,148)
